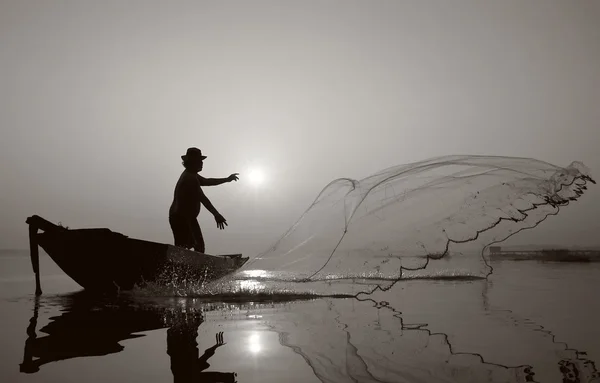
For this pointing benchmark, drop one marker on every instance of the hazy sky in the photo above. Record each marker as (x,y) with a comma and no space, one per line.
(98,99)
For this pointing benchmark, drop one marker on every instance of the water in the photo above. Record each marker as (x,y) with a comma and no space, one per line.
(528,321)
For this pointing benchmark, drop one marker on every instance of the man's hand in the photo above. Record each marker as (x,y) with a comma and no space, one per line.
(233,177)
(220,341)
(221,222)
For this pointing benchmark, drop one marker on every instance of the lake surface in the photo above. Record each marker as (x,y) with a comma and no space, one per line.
(528,321)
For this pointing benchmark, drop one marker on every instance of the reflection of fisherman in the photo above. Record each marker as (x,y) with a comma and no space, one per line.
(186,366)
(187,199)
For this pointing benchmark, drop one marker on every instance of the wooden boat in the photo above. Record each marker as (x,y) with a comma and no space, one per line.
(103,260)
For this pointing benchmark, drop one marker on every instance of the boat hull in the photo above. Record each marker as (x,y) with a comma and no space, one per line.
(103,260)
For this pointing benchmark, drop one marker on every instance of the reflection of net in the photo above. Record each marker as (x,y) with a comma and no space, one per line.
(347,340)
(391,224)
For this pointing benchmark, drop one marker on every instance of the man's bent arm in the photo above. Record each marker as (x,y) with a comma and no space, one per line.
(211,181)
(206,202)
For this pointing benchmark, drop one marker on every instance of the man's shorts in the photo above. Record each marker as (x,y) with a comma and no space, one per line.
(187,233)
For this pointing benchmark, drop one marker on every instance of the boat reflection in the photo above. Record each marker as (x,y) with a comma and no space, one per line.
(90,327)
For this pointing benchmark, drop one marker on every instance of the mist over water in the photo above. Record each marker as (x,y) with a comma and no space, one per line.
(431,219)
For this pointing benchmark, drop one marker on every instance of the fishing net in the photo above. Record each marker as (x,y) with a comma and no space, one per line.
(423,219)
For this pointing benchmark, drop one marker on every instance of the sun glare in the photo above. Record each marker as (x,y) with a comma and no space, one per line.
(256,176)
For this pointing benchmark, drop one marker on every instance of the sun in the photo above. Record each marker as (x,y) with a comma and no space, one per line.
(256,176)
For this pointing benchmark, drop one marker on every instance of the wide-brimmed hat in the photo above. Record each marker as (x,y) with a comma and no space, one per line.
(193,154)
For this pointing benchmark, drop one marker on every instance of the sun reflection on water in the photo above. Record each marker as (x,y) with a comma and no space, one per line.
(257,273)
(254,343)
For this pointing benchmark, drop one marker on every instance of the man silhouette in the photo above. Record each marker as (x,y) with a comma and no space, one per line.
(187,198)
(186,366)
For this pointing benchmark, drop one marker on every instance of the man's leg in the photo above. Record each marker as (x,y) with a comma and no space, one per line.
(181,232)
(198,239)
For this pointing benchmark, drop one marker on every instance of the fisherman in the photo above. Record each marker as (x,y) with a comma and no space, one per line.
(187,199)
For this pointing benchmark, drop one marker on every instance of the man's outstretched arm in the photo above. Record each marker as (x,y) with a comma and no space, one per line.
(217,181)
